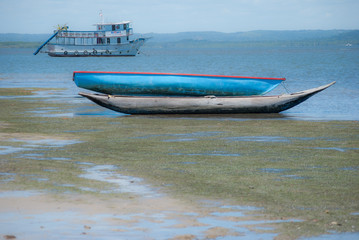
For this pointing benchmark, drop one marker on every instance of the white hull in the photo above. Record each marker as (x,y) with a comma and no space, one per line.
(105,50)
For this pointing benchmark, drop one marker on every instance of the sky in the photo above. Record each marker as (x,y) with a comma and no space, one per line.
(172,16)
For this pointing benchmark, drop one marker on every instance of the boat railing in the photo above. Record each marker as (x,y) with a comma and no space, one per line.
(93,34)
(80,34)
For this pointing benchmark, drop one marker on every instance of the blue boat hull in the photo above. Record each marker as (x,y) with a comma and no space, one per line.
(166,84)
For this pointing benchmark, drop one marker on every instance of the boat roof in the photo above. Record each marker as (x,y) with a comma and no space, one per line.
(118,23)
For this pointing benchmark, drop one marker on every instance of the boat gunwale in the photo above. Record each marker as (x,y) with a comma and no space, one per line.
(177,74)
(184,97)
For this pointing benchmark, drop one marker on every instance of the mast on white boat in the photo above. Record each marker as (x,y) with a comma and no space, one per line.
(101,16)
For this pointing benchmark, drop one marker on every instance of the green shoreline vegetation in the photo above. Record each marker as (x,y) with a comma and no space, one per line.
(300,170)
(20,44)
(210,44)
(288,38)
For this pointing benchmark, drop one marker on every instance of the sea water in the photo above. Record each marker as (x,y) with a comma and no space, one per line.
(303,67)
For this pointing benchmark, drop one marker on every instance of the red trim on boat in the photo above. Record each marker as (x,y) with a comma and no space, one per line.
(177,74)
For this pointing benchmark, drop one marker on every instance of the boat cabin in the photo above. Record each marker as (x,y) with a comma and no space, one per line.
(105,34)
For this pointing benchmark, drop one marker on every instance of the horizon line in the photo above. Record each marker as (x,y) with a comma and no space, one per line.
(293,30)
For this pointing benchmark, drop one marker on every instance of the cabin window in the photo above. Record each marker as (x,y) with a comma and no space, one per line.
(118,40)
(108,40)
(113,27)
(125,26)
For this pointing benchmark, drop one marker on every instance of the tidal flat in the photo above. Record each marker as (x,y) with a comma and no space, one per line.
(173,177)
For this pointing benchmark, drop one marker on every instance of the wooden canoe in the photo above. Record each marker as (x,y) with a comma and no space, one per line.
(206,104)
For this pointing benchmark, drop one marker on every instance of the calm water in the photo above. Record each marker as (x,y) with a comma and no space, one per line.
(304,67)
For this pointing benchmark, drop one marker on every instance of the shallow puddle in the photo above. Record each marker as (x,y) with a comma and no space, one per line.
(18,194)
(293,176)
(39,156)
(83,130)
(188,163)
(37,145)
(259,139)
(216,153)
(226,223)
(277,139)
(239,229)
(7,177)
(335,236)
(275,170)
(283,170)
(40,112)
(73,112)
(63,115)
(336,148)
(9,149)
(181,140)
(350,169)
(182,137)
(121,183)
(241,208)
(108,114)
(46,142)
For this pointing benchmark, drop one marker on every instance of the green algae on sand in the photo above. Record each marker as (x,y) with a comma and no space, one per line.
(291,169)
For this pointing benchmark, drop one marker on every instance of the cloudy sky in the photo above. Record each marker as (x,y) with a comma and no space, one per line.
(171,16)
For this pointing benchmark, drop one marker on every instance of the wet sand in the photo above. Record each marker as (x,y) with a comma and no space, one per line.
(68,171)
(34,215)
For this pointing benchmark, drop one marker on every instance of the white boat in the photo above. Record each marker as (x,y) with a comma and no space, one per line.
(202,105)
(109,40)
